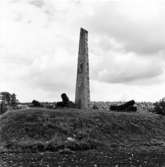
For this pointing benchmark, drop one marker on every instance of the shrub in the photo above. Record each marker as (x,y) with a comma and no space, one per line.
(36,103)
(159,107)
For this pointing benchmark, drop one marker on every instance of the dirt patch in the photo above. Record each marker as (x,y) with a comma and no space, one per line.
(81,159)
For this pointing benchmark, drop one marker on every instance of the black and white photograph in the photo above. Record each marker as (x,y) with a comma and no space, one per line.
(82,83)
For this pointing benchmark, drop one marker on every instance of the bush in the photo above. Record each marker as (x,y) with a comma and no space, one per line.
(36,103)
(159,107)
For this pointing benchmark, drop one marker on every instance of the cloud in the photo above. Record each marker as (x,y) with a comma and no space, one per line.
(51,72)
(130,70)
(111,63)
(39,47)
(37,3)
(137,24)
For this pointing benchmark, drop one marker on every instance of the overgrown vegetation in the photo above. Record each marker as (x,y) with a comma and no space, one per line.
(36,103)
(41,129)
(159,107)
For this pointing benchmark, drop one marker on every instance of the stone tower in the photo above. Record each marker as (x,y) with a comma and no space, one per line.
(82,97)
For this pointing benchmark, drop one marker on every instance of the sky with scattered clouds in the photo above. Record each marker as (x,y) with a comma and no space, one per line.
(39,48)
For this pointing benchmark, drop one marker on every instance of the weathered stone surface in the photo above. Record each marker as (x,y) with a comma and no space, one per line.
(3,107)
(128,106)
(82,97)
(65,102)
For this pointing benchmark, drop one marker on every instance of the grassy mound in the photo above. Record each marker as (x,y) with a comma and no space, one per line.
(53,130)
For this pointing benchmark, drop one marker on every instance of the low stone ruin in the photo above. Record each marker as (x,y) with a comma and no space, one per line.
(65,102)
(128,106)
(3,107)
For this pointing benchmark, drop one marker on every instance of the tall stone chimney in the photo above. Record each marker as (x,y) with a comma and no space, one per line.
(82,97)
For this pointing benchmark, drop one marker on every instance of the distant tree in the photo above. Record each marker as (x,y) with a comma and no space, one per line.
(95,107)
(13,100)
(6,96)
(159,107)
(36,103)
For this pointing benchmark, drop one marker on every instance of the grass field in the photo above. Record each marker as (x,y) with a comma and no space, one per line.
(69,131)
(110,130)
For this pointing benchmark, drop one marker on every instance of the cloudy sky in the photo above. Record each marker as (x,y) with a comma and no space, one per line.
(39,48)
